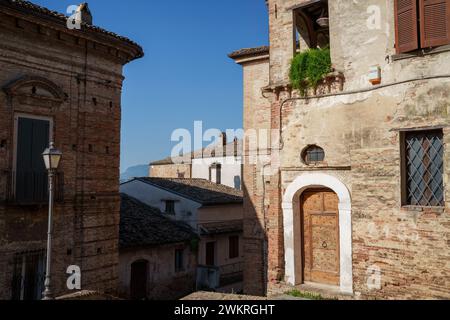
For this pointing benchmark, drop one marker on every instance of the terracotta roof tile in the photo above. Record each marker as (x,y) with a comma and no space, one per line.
(142,225)
(202,191)
(249,52)
(31,8)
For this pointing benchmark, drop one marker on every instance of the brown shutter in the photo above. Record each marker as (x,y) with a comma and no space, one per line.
(434,22)
(406,31)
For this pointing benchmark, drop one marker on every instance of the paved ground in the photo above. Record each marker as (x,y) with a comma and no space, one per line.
(214,296)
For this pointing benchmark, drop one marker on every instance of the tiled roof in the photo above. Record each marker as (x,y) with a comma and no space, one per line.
(202,191)
(33,9)
(249,52)
(142,225)
(222,227)
(207,152)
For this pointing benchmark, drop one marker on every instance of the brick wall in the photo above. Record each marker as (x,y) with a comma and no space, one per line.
(86,128)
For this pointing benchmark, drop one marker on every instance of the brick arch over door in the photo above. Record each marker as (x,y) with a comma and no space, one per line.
(291,201)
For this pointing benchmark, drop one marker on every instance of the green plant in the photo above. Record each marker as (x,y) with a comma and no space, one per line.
(305,295)
(308,68)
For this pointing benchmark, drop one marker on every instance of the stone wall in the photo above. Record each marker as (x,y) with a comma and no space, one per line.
(171,171)
(256,117)
(359,129)
(77,84)
(163,282)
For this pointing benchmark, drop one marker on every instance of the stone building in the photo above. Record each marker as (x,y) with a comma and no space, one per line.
(220,163)
(158,256)
(355,197)
(64,86)
(213,211)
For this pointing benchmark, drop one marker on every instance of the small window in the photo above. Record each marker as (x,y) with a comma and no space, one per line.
(423,170)
(170,207)
(312,25)
(313,154)
(179,260)
(234,247)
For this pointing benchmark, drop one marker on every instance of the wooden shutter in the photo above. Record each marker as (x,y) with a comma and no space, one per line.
(434,22)
(31,175)
(406,30)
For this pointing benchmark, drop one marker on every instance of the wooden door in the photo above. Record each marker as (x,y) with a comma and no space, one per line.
(139,280)
(210,254)
(320,230)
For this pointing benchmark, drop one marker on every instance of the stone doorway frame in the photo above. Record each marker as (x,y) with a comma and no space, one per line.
(292,232)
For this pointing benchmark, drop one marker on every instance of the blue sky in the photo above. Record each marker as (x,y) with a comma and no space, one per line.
(185,75)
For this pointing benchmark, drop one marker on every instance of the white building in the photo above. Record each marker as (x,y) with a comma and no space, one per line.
(218,164)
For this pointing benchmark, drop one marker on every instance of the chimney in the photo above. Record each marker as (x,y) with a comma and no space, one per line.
(223,136)
(85,13)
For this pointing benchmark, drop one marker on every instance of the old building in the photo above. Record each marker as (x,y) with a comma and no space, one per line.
(158,256)
(64,86)
(221,165)
(355,197)
(215,213)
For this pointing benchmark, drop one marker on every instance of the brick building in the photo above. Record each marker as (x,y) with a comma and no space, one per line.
(65,86)
(357,198)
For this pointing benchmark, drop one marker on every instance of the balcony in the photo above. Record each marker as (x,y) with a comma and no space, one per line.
(29,187)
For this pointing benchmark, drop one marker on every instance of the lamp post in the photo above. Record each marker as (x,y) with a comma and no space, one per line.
(52,157)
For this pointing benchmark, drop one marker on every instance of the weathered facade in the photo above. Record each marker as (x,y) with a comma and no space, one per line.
(370,217)
(158,256)
(213,211)
(64,86)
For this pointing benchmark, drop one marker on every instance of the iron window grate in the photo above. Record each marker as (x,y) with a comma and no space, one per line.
(425,168)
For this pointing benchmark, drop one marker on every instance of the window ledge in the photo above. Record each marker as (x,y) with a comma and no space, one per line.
(420,53)
(436,210)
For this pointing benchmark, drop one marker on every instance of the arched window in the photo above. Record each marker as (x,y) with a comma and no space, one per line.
(313,154)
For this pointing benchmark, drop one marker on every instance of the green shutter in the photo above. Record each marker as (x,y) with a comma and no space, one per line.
(31,176)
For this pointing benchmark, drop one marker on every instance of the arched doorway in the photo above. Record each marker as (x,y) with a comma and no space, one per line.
(319,228)
(139,280)
(328,201)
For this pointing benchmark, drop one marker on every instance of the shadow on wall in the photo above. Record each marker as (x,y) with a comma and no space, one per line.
(255,247)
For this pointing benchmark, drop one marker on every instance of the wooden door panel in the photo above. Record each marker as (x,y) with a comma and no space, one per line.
(331,202)
(320,227)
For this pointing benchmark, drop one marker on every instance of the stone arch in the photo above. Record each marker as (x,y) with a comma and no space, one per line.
(14,87)
(290,200)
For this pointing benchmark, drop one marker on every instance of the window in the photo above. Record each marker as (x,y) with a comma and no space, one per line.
(179,260)
(215,173)
(31,182)
(234,247)
(170,207)
(423,168)
(421,24)
(313,154)
(312,24)
(28,276)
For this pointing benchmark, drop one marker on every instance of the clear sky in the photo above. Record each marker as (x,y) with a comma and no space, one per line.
(185,75)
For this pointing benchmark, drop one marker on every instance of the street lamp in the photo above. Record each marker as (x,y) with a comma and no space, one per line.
(52,157)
